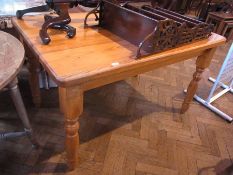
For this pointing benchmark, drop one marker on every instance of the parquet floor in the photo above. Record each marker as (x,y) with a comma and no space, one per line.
(126,129)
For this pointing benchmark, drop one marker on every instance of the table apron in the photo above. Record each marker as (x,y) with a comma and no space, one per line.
(104,80)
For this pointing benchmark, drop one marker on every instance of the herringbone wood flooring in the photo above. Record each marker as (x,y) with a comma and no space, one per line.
(126,129)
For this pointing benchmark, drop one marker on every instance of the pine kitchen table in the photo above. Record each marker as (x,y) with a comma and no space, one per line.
(96,57)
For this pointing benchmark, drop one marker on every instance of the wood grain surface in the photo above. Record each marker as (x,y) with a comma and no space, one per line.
(93,52)
(126,129)
(11,58)
(94,58)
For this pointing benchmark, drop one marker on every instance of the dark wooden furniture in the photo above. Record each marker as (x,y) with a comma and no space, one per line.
(11,60)
(61,21)
(153,29)
(228,28)
(183,6)
(180,6)
(204,7)
(220,18)
(96,57)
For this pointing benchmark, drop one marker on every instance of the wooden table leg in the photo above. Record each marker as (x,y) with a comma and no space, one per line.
(220,27)
(61,100)
(135,80)
(208,19)
(34,69)
(72,105)
(230,37)
(203,61)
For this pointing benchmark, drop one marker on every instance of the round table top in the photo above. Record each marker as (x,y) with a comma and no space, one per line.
(11,58)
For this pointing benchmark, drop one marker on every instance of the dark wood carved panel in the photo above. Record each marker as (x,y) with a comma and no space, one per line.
(152,29)
(62,19)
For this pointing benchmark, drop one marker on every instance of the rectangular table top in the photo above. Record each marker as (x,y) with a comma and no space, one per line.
(222,15)
(95,52)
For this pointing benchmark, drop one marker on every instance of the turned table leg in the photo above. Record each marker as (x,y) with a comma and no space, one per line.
(34,69)
(203,61)
(135,80)
(71,100)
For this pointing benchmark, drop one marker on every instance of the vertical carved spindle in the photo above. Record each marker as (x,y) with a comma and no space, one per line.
(71,103)
(192,88)
(203,61)
(34,69)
